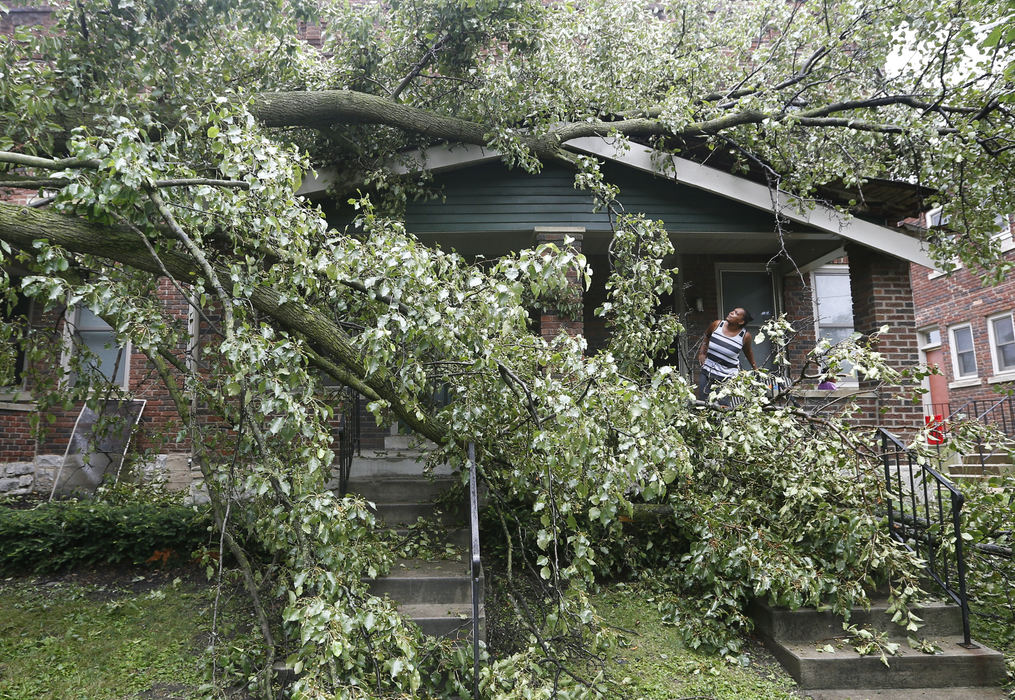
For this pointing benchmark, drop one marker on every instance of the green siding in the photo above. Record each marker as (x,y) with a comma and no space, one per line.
(491,198)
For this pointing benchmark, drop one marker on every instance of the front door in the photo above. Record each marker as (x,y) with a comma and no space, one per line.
(938,383)
(749,287)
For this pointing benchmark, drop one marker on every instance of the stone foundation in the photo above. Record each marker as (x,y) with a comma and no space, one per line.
(22,478)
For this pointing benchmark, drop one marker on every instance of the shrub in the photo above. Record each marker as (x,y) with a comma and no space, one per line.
(58,536)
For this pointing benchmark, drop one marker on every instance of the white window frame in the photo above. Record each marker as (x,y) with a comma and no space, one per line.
(837,269)
(953,353)
(925,345)
(928,344)
(1003,235)
(70,320)
(999,373)
(16,392)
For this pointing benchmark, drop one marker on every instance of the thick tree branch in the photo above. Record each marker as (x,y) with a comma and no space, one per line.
(861,125)
(324,108)
(26,161)
(22,226)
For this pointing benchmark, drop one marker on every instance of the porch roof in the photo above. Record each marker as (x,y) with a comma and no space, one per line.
(815,233)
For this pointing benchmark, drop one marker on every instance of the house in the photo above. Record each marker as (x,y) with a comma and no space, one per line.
(967,330)
(829,273)
(727,253)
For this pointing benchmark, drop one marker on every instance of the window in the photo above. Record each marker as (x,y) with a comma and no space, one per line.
(833,308)
(1004,231)
(16,313)
(929,338)
(833,303)
(1002,343)
(963,354)
(90,333)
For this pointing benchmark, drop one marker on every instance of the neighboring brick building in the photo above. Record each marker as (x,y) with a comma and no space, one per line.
(966,329)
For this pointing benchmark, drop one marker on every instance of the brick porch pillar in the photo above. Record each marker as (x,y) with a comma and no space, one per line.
(882,295)
(551,323)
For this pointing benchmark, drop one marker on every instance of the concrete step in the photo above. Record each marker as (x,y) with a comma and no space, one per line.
(400,489)
(976,469)
(910,694)
(991,458)
(380,463)
(843,668)
(420,582)
(940,619)
(396,514)
(459,537)
(444,620)
(407,443)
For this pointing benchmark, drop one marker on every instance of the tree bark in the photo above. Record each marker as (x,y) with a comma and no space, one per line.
(325,108)
(21,226)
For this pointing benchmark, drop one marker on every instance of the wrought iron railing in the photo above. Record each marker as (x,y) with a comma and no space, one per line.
(348,437)
(475,570)
(925,516)
(996,413)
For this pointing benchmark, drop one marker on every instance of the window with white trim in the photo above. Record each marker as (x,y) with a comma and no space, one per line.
(95,344)
(833,308)
(930,338)
(1004,232)
(1002,342)
(833,303)
(963,351)
(16,315)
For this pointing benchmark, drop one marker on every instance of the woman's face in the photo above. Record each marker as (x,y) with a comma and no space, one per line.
(736,316)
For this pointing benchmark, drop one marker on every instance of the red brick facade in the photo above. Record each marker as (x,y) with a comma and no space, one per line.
(882,295)
(798,305)
(551,323)
(944,302)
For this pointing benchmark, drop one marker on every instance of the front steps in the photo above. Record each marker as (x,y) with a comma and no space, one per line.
(435,594)
(799,640)
(973,466)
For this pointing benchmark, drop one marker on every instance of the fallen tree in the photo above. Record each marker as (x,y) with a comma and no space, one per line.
(184,162)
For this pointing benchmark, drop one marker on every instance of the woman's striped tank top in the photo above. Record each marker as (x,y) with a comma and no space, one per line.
(723,358)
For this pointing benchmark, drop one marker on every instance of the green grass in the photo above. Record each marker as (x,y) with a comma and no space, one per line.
(654,664)
(65,639)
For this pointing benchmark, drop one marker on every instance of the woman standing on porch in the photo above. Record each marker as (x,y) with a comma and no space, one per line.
(719,355)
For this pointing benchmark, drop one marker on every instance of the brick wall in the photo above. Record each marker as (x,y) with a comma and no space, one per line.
(882,295)
(17,442)
(41,16)
(798,305)
(552,323)
(959,298)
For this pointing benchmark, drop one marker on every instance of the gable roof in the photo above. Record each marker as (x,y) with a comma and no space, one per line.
(816,215)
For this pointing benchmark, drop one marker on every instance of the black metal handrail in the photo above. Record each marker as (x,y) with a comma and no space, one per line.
(348,438)
(999,414)
(476,566)
(918,519)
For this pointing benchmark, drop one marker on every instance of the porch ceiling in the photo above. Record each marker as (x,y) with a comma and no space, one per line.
(803,247)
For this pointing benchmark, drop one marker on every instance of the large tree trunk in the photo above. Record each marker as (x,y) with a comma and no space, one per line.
(21,226)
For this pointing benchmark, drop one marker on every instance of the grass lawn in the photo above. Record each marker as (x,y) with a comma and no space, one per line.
(135,634)
(143,633)
(654,663)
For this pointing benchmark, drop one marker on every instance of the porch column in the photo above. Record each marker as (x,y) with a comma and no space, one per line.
(552,322)
(882,295)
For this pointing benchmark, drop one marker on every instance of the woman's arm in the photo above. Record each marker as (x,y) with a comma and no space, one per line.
(703,349)
(749,349)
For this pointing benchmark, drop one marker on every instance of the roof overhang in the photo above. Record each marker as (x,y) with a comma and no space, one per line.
(816,215)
